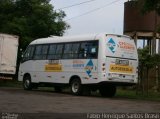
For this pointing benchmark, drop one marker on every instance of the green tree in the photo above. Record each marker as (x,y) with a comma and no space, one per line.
(146,62)
(31,19)
(151,5)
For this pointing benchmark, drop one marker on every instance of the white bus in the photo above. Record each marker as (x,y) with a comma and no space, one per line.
(85,63)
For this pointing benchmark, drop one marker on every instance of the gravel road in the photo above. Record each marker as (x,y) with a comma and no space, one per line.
(40,102)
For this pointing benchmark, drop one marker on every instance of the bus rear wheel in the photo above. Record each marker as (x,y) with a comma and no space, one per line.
(27,84)
(76,87)
(107,90)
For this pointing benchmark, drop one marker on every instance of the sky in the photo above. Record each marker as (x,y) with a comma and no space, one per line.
(108,19)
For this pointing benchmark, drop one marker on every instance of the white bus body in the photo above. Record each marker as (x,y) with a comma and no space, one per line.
(101,61)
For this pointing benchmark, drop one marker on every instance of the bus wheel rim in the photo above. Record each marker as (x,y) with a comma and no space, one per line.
(75,87)
(26,83)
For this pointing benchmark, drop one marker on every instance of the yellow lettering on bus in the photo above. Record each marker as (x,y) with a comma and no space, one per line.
(53,68)
(121,69)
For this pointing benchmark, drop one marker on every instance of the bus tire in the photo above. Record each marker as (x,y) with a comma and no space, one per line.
(76,87)
(27,84)
(107,90)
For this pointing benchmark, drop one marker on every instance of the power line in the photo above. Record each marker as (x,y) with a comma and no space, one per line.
(96,9)
(76,4)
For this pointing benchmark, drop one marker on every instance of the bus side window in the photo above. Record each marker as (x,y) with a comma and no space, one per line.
(52,51)
(92,49)
(75,49)
(37,54)
(59,51)
(28,55)
(83,50)
(31,52)
(67,54)
(44,51)
(88,49)
(41,52)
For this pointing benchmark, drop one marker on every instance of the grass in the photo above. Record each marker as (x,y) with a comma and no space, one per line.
(10,83)
(131,94)
(121,93)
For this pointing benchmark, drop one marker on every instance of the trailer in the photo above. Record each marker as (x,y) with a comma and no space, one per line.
(8,55)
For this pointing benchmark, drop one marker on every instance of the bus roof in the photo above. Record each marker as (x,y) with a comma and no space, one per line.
(59,39)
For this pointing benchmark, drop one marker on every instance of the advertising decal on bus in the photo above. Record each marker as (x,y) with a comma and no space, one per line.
(89,68)
(78,63)
(112,45)
(126,46)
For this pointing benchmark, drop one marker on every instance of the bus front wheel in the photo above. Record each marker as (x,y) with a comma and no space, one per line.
(107,90)
(27,84)
(76,87)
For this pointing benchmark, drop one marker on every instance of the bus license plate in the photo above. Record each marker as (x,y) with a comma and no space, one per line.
(122,62)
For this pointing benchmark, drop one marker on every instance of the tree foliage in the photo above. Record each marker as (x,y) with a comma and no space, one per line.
(31,19)
(150,5)
(147,60)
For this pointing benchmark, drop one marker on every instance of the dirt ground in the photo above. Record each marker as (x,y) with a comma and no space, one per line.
(41,103)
